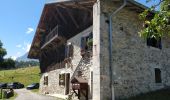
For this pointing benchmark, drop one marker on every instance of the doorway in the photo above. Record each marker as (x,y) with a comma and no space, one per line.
(67,84)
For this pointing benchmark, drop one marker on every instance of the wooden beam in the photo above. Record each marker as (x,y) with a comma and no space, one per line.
(72,18)
(76,5)
(61,15)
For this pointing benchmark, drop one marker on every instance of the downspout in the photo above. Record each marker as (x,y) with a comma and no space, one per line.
(110,45)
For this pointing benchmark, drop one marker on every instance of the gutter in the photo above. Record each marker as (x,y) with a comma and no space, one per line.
(110,45)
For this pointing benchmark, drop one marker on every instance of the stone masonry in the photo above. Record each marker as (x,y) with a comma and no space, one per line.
(134,62)
(78,64)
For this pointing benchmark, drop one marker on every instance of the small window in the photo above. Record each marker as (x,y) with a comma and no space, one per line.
(87,42)
(154,43)
(62,79)
(69,50)
(158,75)
(45,80)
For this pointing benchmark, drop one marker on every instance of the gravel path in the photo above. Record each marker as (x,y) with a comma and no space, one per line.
(24,94)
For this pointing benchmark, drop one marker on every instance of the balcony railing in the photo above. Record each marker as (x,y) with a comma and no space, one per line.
(53,33)
(50,37)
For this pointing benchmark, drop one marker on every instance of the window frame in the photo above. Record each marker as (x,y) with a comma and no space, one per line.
(46,80)
(158,78)
(152,42)
(62,79)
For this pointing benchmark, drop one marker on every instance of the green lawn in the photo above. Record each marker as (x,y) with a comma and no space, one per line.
(24,75)
(163,94)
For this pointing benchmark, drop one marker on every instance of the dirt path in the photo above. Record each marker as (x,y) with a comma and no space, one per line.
(24,94)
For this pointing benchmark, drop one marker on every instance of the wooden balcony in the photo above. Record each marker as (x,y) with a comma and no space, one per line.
(54,38)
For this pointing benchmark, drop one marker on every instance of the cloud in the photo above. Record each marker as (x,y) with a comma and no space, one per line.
(29,30)
(18,54)
(19,46)
(26,46)
(13,57)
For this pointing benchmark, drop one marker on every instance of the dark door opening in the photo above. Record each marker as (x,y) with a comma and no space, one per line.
(67,84)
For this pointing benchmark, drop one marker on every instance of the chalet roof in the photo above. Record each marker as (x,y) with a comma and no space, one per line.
(64,7)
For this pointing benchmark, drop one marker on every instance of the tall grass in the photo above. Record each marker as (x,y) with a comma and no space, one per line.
(24,75)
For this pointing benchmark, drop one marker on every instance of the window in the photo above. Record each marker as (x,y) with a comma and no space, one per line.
(69,50)
(62,79)
(45,80)
(158,75)
(154,42)
(87,42)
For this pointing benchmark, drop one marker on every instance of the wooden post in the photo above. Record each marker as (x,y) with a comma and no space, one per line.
(87,94)
(1,94)
(78,93)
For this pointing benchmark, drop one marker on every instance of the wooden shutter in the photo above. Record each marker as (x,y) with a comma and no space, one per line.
(61,79)
(70,53)
(83,41)
(45,80)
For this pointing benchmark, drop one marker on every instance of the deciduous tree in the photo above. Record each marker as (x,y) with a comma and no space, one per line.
(156,23)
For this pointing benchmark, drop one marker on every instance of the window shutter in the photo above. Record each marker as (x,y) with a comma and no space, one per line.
(63,80)
(83,40)
(46,80)
(59,79)
(70,53)
(66,49)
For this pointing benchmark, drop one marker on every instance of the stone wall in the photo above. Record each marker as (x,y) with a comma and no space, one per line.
(77,64)
(53,83)
(133,61)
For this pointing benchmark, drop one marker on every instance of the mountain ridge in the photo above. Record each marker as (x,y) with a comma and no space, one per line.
(25,58)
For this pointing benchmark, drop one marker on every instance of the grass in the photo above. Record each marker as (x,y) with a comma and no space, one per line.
(25,76)
(1,94)
(163,94)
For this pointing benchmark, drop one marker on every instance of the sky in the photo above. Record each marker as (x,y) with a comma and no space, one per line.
(18,22)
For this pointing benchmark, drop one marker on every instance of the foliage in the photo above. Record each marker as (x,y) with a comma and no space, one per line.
(2,52)
(25,76)
(5,63)
(157,23)
(90,42)
(20,64)
(8,63)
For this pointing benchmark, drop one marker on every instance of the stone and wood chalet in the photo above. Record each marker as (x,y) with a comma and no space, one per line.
(91,50)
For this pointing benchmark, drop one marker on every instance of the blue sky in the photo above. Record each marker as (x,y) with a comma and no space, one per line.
(18,22)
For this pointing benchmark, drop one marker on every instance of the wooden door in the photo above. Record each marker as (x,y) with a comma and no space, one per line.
(67,83)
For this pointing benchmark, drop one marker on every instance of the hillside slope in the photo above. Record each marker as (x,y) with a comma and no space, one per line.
(24,75)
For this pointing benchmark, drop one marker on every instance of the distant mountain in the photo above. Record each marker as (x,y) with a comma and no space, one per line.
(24,58)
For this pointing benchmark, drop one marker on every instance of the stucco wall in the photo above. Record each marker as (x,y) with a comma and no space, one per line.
(133,61)
(77,65)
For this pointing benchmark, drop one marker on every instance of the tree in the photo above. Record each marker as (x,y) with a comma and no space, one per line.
(2,52)
(157,23)
(9,63)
